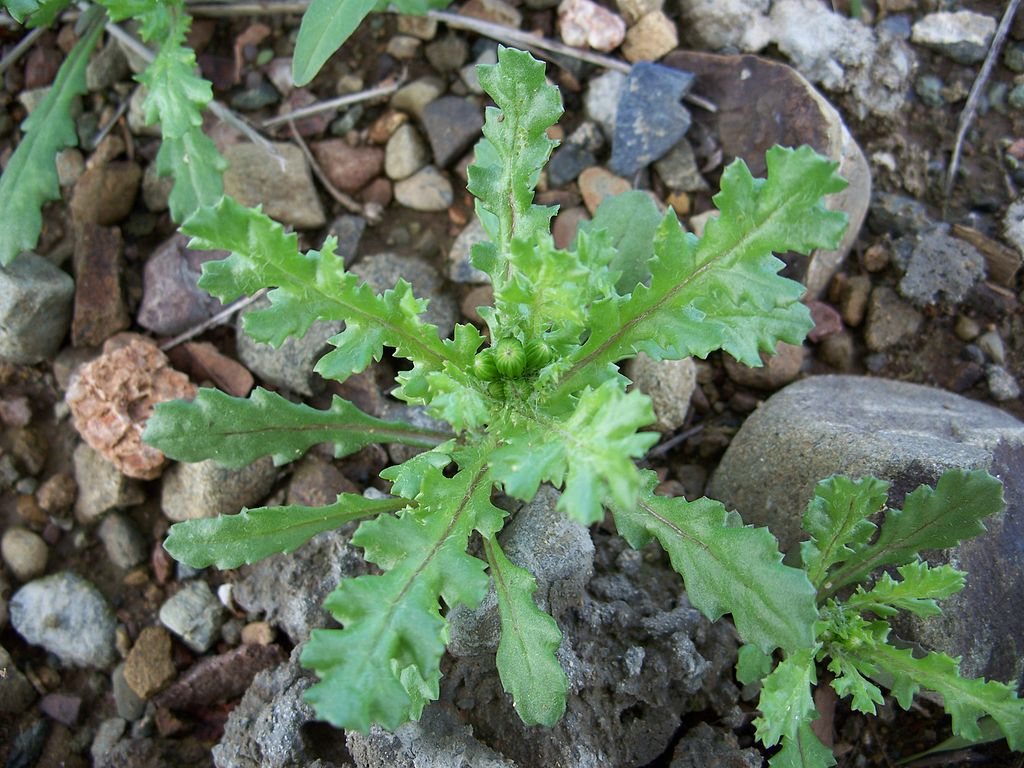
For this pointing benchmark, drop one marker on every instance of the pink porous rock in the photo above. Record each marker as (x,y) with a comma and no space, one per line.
(112,397)
(583,22)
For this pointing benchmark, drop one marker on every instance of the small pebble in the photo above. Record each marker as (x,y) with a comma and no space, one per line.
(1001,384)
(125,545)
(258,633)
(966,329)
(24,552)
(992,345)
(194,614)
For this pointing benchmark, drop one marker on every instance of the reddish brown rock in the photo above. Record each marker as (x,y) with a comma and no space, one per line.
(827,321)
(115,394)
(598,183)
(206,362)
(57,494)
(348,168)
(105,194)
(15,411)
(172,300)
(220,678)
(99,310)
(149,666)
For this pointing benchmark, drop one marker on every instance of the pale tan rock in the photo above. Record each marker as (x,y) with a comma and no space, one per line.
(650,38)
(114,395)
(583,23)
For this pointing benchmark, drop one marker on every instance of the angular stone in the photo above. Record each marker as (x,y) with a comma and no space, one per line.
(649,120)
(908,435)
(601,100)
(721,24)
(567,163)
(149,666)
(206,489)
(194,614)
(254,177)
(940,270)
(226,373)
(172,301)
(66,615)
(452,125)
(106,67)
(35,309)
(101,486)
(100,310)
(678,169)
(122,540)
(290,365)
(105,193)
(348,168)
(415,96)
(114,395)
(220,678)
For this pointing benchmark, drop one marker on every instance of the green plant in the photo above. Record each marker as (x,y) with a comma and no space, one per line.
(852,633)
(542,402)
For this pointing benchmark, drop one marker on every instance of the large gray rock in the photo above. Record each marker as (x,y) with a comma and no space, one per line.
(906,434)
(937,269)
(35,309)
(268,728)
(636,654)
(66,615)
(206,489)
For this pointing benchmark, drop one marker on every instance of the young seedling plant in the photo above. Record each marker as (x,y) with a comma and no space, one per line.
(539,400)
(852,634)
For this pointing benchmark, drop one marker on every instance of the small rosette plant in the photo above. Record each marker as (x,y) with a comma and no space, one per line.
(539,399)
(852,635)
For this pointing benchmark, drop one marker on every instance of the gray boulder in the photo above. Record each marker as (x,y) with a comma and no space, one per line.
(906,434)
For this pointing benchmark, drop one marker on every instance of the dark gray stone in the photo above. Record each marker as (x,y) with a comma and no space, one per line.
(261,94)
(273,727)
(649,119)
(172,300)
(66,615)
(452,125)
(460,265)
(35,309)
(16,692)
(908,435)
(940,270)
(678,169)
(291,365)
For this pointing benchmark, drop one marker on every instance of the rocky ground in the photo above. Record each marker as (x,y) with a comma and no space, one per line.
(114,655)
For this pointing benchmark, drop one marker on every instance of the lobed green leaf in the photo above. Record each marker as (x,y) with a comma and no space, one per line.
(786,702)
(308,287)
(930,519)
(509,159)
(917,591)
(727,568)
(235,431)
(837,520)
(35,13)
(631,221)
(384,664)
(527,665)
(228,541)
(30,177)
(723,291)
(966,700)
(752,664)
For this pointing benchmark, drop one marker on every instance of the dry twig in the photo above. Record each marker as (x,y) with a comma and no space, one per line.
(19,50)
(221,317)
(974,97)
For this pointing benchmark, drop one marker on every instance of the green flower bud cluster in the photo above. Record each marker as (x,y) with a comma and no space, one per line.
(510,359)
